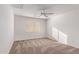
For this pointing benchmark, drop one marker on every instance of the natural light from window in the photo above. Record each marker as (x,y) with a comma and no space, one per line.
(33,26)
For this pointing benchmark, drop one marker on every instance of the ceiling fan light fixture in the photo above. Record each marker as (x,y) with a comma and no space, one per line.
(45,13)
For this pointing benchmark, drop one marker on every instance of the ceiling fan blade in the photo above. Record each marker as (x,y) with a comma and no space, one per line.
(45,15)
(49,13)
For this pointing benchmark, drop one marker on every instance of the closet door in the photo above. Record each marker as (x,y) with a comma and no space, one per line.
(62,37)
(55,33)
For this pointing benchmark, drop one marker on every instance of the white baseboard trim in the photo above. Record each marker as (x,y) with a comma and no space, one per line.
(33,38)
(10,46)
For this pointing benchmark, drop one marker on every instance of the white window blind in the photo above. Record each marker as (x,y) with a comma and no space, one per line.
(33,26)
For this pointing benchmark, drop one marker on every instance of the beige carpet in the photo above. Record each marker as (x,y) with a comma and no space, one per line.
(41,46)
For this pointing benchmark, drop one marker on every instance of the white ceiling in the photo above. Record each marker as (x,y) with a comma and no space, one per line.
(34,9)
(35,6)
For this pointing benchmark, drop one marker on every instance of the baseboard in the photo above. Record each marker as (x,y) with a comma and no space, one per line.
(11,44)
(33,38)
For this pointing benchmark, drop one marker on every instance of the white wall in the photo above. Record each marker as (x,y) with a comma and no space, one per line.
(6,28)
(21,25)
(28,12)
(67,23)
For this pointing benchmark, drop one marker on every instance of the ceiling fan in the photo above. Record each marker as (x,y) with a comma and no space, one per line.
(45,13)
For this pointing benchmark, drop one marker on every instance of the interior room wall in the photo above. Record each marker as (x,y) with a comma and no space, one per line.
(6,28)
(21,27)
(67,23)
(29,12)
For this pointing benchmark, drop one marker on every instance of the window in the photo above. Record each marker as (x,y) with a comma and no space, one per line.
(33,26)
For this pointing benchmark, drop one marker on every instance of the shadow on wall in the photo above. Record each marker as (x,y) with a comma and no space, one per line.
(59,35)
